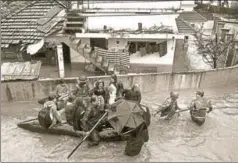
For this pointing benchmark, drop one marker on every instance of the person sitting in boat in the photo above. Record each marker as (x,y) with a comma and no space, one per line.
(199,108)
(133,94)
(112,91)
(62,90)
(69,110)
(49,115)
(82,88)
(62,94)
(100,92)
(119,86)
(170,106)
(80,104)
(90,118)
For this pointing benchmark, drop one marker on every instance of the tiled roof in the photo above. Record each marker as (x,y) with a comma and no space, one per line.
(192,16)
(31,23)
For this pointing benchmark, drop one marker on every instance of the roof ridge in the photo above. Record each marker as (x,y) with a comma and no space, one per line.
(61,4)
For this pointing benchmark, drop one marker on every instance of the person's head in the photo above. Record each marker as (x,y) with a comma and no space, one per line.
(71,99)
(114,77)
(82,80)
(127,94)
(100,84)
(51,98)
(199,94)
(86,101)
(136,87)
(94,100)
(174,95)
(61,81)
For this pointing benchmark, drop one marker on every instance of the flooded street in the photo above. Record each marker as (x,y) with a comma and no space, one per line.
(177,140)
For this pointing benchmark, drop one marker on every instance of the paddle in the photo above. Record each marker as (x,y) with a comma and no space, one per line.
(88,134)
(29,120)
(175,112)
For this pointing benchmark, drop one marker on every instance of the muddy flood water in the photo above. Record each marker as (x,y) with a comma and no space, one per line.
(177,140)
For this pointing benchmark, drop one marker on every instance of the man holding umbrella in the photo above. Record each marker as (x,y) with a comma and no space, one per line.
(131,119)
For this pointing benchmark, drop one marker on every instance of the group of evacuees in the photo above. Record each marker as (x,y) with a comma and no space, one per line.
(83,107)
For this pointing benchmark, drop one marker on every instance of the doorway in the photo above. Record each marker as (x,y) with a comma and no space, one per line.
(66,54)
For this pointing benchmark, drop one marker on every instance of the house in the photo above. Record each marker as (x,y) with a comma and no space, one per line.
(148,30)
(28,26)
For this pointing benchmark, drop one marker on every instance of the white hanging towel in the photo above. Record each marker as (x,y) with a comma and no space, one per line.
(34,48)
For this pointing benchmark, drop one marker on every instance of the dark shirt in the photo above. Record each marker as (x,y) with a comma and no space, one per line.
(169,107)
(91,117)
(81,90)
(136,140)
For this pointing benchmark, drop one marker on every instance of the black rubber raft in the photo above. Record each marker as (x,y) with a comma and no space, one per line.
(65,129)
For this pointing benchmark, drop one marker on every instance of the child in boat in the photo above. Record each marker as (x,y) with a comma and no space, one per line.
(170,106)
(199,108)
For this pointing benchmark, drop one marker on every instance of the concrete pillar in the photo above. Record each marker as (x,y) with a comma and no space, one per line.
(224,31)
(229,36)
(230,50)
(220,26)
(60,57)
(216,19)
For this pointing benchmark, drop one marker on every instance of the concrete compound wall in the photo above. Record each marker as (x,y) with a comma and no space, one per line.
(20,91)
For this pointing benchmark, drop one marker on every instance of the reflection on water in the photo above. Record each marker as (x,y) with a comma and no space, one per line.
(175,140)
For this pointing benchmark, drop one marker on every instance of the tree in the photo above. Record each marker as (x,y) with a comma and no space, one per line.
(212,49)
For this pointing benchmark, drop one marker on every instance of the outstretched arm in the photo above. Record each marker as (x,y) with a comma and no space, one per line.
(209,106)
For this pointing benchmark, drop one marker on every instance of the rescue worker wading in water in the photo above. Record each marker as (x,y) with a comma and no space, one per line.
(170,106)
(199,108)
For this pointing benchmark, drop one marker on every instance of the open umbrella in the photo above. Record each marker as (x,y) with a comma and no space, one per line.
(125,114)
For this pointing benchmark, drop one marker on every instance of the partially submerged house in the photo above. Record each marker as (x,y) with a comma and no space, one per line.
(27,28)
(109,34)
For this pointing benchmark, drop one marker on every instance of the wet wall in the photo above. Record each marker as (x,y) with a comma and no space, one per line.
(30,90)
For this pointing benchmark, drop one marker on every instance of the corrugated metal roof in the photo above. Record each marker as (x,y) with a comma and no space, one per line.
(20,71)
